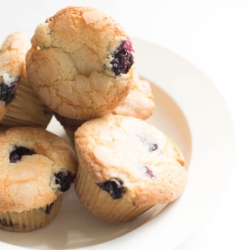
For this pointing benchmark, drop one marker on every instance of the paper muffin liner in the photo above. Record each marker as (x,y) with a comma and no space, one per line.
(26,109)
(100,203)
(30,220)
(70,125)
(71,134)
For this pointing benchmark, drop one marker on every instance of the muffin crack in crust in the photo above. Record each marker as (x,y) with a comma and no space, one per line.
(88,48)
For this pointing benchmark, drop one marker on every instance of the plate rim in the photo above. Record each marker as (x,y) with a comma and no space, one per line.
(131,238)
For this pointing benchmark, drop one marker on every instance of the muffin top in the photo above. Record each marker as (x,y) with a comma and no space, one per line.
(130,158)
(139,102)
(80,63)
(12,67)
(35,166)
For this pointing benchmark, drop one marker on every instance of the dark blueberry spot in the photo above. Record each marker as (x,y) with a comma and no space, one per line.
(114,187)
(122,58)
(4,223)
(149,172)
(151,146)
(64,179)
(18,152)
(7,92)
(49,208)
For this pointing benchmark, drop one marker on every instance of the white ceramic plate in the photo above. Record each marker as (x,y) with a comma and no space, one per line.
(190,110)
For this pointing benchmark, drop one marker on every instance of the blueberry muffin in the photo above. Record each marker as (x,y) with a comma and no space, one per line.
(19,105)
(36,168)
(126,166)
(139,103)
(80,63)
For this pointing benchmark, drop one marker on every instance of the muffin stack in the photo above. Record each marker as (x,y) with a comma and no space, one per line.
(81,65)
(19,105)
(36,166)
(81,68)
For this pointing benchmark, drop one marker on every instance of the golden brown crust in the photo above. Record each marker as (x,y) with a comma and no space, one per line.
(69,64)
(30,182)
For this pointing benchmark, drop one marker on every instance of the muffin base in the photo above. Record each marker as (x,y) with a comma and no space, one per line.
(30,220)
(26,109)
(100,203)
(70,125)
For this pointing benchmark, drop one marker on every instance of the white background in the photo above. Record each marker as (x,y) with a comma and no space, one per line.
(214,36)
